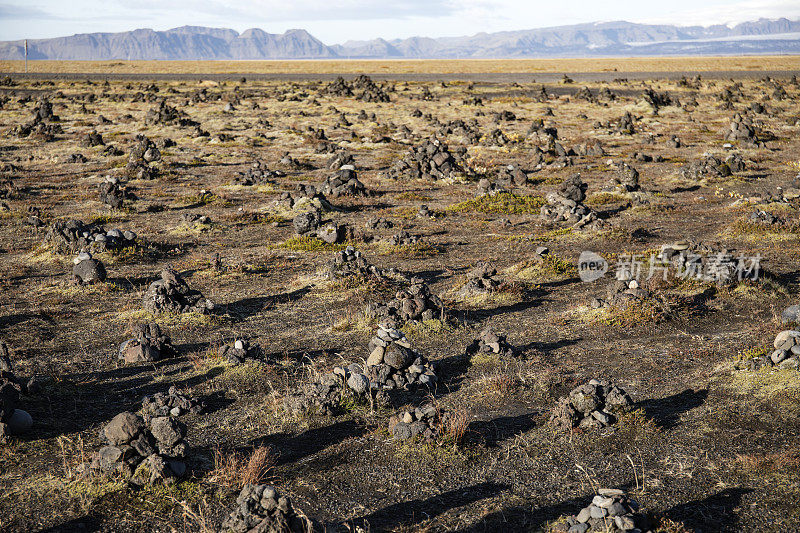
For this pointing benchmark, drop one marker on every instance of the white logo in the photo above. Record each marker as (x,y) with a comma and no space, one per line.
(591,266)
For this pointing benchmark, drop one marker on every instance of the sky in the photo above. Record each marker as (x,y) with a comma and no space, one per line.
(337,21)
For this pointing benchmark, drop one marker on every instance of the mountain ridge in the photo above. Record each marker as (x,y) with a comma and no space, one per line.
(614,38)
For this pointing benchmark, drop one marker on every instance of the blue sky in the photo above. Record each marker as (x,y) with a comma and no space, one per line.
(336,21)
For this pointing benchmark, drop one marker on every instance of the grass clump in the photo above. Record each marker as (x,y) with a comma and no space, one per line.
(504,203)
(549,268)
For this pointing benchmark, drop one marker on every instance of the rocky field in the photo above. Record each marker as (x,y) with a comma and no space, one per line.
(361,305)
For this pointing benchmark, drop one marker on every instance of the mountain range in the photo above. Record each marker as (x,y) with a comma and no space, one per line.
(764,36)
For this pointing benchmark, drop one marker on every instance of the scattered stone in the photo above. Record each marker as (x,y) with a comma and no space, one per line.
(258,174)
(171,403)
(415,303)
(13,420)
(489,342)
(424,422)
(482,279)
(787,348)
(430,161)
(240,350)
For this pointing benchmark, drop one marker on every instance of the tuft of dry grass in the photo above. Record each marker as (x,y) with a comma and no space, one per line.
(235,469)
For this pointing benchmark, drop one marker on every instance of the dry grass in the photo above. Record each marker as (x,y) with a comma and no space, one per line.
(405,66)
(236,469)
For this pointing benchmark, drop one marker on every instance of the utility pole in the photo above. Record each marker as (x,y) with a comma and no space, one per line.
(26,56)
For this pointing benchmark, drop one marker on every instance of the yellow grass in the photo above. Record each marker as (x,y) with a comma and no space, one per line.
(405,66)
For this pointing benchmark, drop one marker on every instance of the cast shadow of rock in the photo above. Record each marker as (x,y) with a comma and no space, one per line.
(409,513)
(666,412)
(493,432)
(714,513)
(249,307)
(291,448)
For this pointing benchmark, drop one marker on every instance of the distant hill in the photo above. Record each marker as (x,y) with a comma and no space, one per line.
(763,36)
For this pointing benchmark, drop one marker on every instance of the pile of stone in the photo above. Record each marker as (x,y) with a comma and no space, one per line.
(93,139)
(260,508)
(142,154)
(13,420)
(743,130)
(588,406)
(113,193)
(339,87)
(171,403)
(624,291)
(43,111)
(149,345)
(258,174)
(658,100)
(470,130)
(86,270)
(377,223)
(424,422)
(763,218)
(146,452)
(324,394)
(611,511)
(404,238)
(344,182)
(787,349)
(240,351)
(486,187)
(168,115)
(482,279)
(38,129)
(393,364)
(76,158)
(371,92)
(627,178)
(412,304)
(430,160)
(713,167)
(171,294)
(490,342)
(351,262)
(625,125)
(566,205)
(704,261)
(511,175)
(339,160)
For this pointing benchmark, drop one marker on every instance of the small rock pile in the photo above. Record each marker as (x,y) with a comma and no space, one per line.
(623,292)
(114,194)
(404,238)
(260,508)
(343,182)
(150,344)
(489,342)
(414,303)
(627,179)
(424,422)
(93,139)
(481,279)
(762,217)
(13,420)
(171,294)
(742,130)
(239,351)
(625,126)
(144,452)
(72,236)
(785,356)
(713,166)
(610,511)
(393,364)
(171,403)
(431,160)
(590,406)
(258,174)
(566,205)
(705,262)
(511,175)
(86,270)
(351,262)
(142,154)
(371,92)
(168,115)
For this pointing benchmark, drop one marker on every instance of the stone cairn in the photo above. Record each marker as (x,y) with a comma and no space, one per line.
(590,406)
(142,154)
(171,294)
(393,364)
(168,115)
(566,205)
(344,182)
(742,130)
(86,270)
(149,345)
(622,292)
(425,422)
(511,175)
(785,356)
(610,511)
(412,304)
(404,238)
(171,403)
(713,167)
(13,420)
(239,351)
(73,236)
(489,342)
(113,193)
(482,279)
(627,179)
(705,261)
(145,452)
(431,160)
(260,508)
(258,174)
(351,262)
